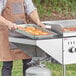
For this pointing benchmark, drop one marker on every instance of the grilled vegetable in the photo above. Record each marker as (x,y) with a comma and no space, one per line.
(32,30)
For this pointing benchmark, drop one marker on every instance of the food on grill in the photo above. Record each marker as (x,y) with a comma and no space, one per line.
(21,28)
(67,29)
(33,30)
(30,28)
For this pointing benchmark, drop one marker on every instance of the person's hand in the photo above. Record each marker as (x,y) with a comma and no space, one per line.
(41,25)
(11,26)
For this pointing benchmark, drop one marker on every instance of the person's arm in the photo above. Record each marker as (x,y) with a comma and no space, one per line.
(31,11)
(35,17)
(9,24)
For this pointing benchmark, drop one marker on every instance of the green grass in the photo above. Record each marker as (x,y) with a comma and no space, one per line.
(49,7)
(0,68)
(17,68)
(56,69)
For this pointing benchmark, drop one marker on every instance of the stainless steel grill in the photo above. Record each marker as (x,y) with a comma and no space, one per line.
(61,45)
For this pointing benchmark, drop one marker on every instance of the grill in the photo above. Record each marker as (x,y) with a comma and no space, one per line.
(50,34)
(57,44)
(61,44)
(62,48)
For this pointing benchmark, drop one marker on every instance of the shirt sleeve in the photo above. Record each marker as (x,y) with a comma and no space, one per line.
(29,6)
(1,6)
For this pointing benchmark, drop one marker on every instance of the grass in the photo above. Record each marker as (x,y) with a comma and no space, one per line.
(17,68)
(56,69)
(49,7)
(0,67)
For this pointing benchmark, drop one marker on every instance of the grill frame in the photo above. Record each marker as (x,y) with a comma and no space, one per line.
(65,37)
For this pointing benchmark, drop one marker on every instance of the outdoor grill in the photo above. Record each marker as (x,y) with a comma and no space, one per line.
(60,44)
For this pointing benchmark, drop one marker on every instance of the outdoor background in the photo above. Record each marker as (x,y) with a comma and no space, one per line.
(56,9)
(52,10)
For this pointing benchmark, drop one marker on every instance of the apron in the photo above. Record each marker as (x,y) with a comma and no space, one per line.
(14,12)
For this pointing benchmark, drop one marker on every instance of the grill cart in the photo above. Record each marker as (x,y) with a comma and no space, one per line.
(60,43)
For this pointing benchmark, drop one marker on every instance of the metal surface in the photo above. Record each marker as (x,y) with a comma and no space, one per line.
(38,71)
(64,70)
(52,47)
(57,26)
(22,41)
(59,29)
(62,22)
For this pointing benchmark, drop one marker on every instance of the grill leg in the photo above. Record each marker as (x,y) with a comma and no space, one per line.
(64,70)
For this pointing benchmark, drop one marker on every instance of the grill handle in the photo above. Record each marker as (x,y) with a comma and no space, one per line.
(54,27)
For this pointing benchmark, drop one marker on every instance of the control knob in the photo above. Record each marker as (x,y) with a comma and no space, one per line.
(72,49)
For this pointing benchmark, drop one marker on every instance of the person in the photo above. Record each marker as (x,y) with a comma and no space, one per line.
(12,13)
